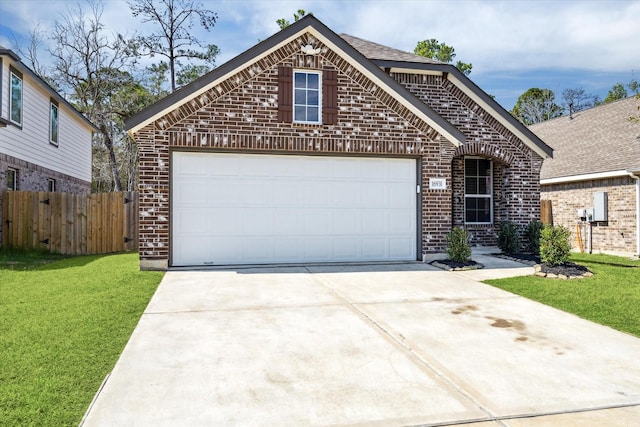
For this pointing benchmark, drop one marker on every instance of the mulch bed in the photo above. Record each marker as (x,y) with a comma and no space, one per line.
(447,264)
(568,270)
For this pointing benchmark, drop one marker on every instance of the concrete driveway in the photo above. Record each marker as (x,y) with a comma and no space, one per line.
(374,345)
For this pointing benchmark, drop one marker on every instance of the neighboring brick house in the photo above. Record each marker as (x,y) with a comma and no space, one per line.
(315,147)
(45,144)
(595,151)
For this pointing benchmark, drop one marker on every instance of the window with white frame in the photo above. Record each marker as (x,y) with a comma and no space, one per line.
(15,97)
(53,122)
(307,105)
(12,179)
(51,184)
(478,191)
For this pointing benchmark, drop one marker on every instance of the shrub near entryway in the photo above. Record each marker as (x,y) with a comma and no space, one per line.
(554,245)
(508,238)
(458,247)
(532,233)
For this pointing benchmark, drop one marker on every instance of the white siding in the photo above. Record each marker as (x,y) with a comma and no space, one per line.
(72,156)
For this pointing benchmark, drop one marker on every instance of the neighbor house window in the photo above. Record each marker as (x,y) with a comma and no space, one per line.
(53,122)
(12,179)
(51,184)
(478,191)
(15,97)
(306,97)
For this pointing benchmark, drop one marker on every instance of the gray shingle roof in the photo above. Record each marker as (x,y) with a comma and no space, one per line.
(373,50)
(601,139)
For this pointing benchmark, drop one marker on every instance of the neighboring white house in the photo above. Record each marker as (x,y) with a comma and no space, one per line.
(45,143)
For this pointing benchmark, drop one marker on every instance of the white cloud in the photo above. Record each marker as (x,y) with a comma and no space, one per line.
(493,35)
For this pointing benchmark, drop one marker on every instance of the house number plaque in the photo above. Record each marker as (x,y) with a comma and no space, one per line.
(437,183)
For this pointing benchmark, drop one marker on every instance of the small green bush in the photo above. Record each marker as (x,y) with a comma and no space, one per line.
(554,245)
(508,238)
(532,233)
(458,247)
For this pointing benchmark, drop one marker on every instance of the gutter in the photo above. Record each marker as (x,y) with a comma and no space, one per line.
(636,175)
(586,177)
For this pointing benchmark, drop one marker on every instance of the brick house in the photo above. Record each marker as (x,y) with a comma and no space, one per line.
(596,155)
(318,147)
(45,143)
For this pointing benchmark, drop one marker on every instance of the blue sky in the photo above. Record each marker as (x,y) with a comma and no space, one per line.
(513,45)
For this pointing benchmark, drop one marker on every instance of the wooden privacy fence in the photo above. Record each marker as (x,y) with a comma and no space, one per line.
(546,212)
(74,224)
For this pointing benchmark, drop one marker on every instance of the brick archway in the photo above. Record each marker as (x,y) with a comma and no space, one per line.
(485,150)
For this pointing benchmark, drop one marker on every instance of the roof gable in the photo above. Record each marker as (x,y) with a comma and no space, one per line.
(373,60)
(600,139)
(194,94)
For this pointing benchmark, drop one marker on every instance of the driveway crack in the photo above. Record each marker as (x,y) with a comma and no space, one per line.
(403,344)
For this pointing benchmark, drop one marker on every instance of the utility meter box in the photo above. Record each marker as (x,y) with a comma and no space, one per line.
(588,213)
(582,213)
(600,213)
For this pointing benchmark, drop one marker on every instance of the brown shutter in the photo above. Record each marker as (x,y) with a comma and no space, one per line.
(285,94)
(329,97)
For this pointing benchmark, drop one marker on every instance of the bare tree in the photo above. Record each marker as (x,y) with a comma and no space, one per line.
(30,54)
(173,40)
(87,63)
(577,100)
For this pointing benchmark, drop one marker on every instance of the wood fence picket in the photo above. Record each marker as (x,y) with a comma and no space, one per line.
(72,224)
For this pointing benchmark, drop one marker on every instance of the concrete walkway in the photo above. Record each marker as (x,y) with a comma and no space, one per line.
(373,345)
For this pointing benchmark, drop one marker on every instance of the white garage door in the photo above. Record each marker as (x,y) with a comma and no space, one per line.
(256,209)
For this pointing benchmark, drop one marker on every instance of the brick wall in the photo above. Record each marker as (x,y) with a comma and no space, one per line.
(241,114)
(618,235)
(32,177)
(516,167)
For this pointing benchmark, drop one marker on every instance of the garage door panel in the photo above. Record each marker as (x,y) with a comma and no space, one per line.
(222,166)
(318,222)
(399,173)
(375,221)
(374,248)
(317,194)
(374,195)
(239,209)
(318,248)
(289,222)
(257,222)
(190,164)
(401,222)
(347,168)
(347,221)
(260,250)
(227,248)
(194,249)
(345,194)
(188,192)
(401,195)
(189,221)
(288,249)
(377,170)
(400,248)
(348,248)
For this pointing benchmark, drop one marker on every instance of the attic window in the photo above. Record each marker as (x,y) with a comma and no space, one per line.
(307,96)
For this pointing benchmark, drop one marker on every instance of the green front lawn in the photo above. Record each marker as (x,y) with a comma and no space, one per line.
(611,297)
(63,324)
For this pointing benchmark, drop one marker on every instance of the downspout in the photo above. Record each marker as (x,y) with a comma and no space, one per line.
(636,175)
